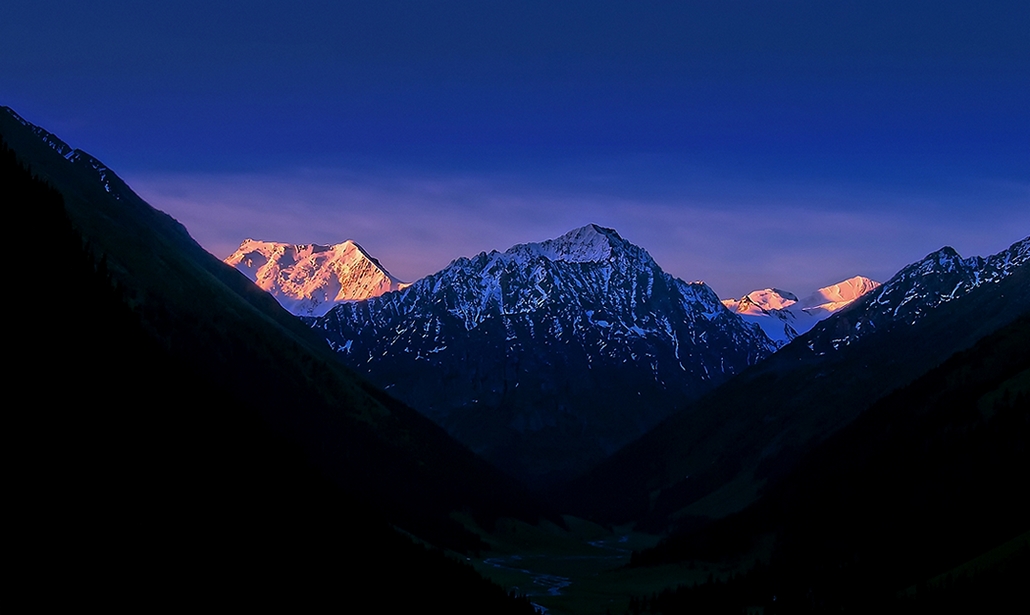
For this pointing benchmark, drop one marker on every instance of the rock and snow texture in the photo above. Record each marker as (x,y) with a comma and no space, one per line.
(581,341)
(309,279)
(782,316)
(917,290)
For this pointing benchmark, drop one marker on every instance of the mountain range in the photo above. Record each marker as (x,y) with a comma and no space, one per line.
(171,415)
(521,355)
(525,355)
(309,279)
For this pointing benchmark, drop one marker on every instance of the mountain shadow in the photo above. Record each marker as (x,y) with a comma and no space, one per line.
(718,455)
(177,438)
(902,511)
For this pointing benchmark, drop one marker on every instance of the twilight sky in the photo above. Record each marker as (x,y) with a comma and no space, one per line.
(747,143)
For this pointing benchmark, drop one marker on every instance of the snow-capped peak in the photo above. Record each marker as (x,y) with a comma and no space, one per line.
(759,302)
(782,316)
(590,243)
(587,244)
(308,279)
(834,297)
(944,260)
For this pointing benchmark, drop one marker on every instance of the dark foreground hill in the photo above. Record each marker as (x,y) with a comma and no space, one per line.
(717,456)
(177,436)
(918,506)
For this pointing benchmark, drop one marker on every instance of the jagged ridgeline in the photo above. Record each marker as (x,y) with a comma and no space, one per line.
(178,436)
(718,455)
(547,357)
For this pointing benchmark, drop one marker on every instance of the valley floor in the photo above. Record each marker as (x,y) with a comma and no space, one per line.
(581,570)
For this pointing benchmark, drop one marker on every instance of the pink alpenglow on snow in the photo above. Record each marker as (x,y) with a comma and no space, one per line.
(830,299)
(782,316)
(309,279)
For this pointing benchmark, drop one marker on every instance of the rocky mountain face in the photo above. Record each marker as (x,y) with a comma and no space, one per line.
(549,356)
(309,279)
(918,290)
(714,457)
(783,317)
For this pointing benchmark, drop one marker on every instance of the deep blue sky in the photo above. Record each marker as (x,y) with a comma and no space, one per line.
(747,143)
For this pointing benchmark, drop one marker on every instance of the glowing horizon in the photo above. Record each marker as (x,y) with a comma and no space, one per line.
(760,144)
(415,229)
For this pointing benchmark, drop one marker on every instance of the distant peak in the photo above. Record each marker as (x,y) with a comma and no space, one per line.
(301,249)
(610,232)
(945,251)
(349,249)
(773,292)
(591,243)
(848,289)
(946,256)
(839,295)
(944,259)
(308,279)
(858,280)
(350,244)
(590,234)
(762,301)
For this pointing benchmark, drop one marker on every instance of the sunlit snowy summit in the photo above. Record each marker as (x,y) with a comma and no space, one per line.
(309,279)
(782,316)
